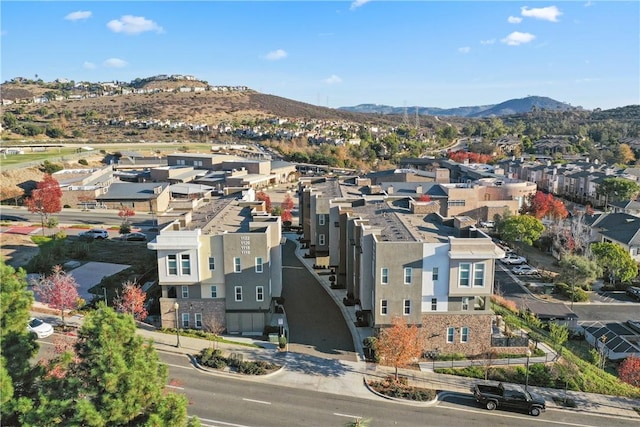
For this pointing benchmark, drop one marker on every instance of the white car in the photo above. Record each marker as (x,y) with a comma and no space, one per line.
(39,327)
(525,270)
(96,233)
(513,258)
(487,224)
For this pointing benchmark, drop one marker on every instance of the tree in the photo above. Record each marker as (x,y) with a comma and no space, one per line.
(45,199)
(132,301)
(542,204)
(286,216)
(616,189)
(629,371)
(287,203)
(264,197)
(58,290)
(117,380)
(615,261)
(625,155)
(424,198)
(50,168)
(578,270)
(125,213)
(399,344)
(559,334)
(524,228)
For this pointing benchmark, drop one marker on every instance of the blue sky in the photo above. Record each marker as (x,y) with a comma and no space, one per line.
(341,53)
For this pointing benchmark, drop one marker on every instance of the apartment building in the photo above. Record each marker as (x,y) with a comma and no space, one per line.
(222,265)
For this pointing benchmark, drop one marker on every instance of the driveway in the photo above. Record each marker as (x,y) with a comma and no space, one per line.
(316,324)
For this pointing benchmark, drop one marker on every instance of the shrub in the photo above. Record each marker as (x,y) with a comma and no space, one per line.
(282,341)
(401,389)
(83,162)
(502,301)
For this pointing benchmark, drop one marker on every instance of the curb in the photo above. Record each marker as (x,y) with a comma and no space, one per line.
(237,375)
(401,401)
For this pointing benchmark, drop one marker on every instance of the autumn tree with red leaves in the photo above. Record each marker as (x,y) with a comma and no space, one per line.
(125,213)
(58,290)
(131,301)
(264,197)
(45,199)
(286,216)
(629,371)
(461,156)
(399,344)
(424,198)
(287,203)
(542,204)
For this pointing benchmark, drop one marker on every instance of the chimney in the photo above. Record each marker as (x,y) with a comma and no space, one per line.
(419,189)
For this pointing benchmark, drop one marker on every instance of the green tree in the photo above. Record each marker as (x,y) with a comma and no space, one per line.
(559,334)
(616,189)
(115,379)
(578,271)
(524,228)
(615,261)
(16,345)
(9,120)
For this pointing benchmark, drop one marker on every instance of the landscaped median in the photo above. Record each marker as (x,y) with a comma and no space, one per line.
(401,390)
(233,363)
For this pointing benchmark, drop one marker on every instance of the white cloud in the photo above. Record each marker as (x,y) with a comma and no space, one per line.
(549,13)
(357,3)
(89,65)
(517,38)
(489,41)
(115,63)
(465,49)
(77,16)
(275,55)
(588,4)
(514,20)
(332,80)
(129,24)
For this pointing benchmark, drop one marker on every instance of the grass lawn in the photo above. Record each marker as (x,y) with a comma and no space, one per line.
(36,157)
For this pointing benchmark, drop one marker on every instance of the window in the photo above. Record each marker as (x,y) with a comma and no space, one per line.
(408,272)
(259,268)
(197,163)
(451,332)
(384,276)
(478,274)
(434,304)
(464,271)
(185,264)
(237,267)
(451,203)
(212,263)
(321,239)
(198,320)
(185,320)
(238,292)
(185,292)
(464,334)
(434,274)
(172,265)
(465,303)
(321,219)
(260,293)
(407,307)
(180,162)
(383,307)
(214,291)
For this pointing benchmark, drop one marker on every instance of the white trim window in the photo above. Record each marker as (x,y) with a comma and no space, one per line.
(408,275)
(212,263)
(198,320)
(238,293)
(214,291)
(237,265)
(321,240)
(451,334)
(384,275)
(478,275)
(259,293)
(465,303)
(259,267)
(185,320)
(434,304)
(172,265)
(185,265)
(185,291)
(464,334)
(384,307)
(321,219)
(434,274)
(406,307)
(464,273)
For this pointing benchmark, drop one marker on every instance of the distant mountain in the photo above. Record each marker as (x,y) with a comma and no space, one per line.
(512,106)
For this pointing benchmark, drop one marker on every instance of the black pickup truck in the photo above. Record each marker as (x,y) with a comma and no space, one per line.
(508,397)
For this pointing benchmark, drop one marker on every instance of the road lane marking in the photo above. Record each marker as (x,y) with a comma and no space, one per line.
(174,386)
(221,422)
(257,401)
(353,417)
(178,366)
(528,418)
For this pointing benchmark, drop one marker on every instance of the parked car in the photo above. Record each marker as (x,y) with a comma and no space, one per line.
(513,258)
(96,233)
(135,237)
(525,270)
(634,292)
(509,397)
(487,224)
(39,327)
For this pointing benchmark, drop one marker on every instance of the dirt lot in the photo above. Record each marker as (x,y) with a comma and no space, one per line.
(17,249)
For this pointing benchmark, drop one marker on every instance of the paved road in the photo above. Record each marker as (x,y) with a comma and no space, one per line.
(316,325)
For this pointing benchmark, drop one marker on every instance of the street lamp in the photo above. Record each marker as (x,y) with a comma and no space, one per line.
(176,306)
(526,375)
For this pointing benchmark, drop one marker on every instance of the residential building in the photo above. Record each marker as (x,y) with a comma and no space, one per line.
(141,197)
